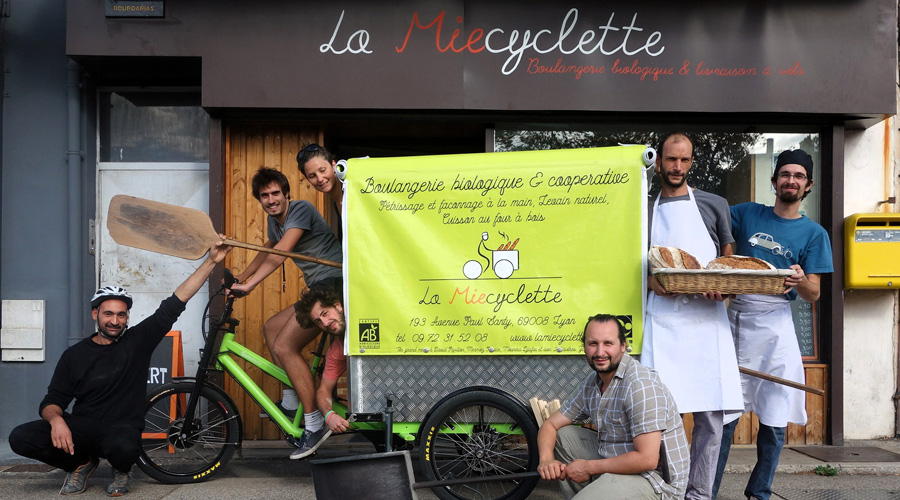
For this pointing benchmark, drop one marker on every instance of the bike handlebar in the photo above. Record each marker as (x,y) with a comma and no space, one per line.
(228,281)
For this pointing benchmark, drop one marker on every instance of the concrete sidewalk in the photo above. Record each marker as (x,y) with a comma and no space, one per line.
(855,457)
(740,460)
(263,471)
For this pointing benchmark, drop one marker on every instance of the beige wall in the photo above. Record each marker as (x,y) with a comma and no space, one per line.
(870,316)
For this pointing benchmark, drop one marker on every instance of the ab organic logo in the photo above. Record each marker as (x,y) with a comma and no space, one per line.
(369,334)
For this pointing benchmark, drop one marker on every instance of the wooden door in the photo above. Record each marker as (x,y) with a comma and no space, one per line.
(247,148)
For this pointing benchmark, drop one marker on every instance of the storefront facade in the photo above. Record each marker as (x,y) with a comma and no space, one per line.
(190,103)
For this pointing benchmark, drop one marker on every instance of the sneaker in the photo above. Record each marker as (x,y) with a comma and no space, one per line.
(120,485)
(310,442)
(76,481)
(287,413)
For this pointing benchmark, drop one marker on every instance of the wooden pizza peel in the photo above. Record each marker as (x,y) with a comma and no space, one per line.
(173,230)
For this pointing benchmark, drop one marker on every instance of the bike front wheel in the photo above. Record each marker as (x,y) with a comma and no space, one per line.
(168,455)
(477,434)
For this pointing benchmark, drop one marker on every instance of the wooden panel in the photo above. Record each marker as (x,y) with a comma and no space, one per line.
(743,433)
(816,376)
(754,427)
(795,434)
(688,420)
(247,148)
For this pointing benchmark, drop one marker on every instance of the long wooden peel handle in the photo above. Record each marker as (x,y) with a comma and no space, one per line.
(477,479)
(260,248)
(779,380)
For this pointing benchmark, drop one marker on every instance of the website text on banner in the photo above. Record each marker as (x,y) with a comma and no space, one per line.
(495,253)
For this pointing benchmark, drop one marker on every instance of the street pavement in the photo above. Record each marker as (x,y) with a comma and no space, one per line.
(264,472)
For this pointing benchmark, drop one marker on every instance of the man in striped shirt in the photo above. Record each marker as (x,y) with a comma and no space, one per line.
(639,449)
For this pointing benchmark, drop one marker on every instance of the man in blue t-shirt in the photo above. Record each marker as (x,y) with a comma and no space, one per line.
(762,325)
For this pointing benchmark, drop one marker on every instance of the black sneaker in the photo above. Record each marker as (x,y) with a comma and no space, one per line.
(120,485)
(76,481)
(287,413)
(310,442)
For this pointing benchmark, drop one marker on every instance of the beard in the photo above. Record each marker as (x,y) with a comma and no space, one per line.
(611,368)
(665,180)
(105,330)
(794,197)
(341,329)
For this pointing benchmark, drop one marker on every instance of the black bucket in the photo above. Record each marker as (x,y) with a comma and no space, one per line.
(377,476)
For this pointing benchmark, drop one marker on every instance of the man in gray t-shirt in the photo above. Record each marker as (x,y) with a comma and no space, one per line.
(318,240)
(690,330)
(293,226)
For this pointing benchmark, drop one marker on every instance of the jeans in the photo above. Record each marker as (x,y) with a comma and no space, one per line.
(769,442)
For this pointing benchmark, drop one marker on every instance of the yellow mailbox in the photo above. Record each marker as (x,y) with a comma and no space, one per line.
(872,251)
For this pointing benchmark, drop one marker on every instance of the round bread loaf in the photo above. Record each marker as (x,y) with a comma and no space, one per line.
(739,262)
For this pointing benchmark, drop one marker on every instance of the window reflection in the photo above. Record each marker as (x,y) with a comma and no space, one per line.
(736,166)
(153,127)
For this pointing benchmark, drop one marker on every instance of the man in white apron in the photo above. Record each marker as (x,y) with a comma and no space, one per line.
(762,325)
(687,338)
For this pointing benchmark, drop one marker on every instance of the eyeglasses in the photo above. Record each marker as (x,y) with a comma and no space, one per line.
(308,150)
(787,175)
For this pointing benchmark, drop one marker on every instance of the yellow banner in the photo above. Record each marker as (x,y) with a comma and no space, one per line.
(496,253)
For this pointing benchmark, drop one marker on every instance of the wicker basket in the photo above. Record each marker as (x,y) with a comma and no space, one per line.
(730,281)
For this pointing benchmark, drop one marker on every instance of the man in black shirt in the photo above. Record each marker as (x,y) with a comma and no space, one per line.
(106,376)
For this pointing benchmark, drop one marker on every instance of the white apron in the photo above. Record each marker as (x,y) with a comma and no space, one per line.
(765,340)
(687,339)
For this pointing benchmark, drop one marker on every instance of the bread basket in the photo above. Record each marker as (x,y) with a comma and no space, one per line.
(724,281)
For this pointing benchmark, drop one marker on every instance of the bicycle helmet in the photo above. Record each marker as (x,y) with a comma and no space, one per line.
(111,292)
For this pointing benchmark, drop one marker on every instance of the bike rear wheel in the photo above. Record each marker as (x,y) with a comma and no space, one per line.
(476,434)
(167,455)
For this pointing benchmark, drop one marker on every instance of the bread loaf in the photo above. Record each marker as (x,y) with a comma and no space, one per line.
(664,257)
(690,262)
(739,262)
(672,258)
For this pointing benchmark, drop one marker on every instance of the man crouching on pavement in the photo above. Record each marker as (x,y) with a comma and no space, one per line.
(106,375)
(639,450)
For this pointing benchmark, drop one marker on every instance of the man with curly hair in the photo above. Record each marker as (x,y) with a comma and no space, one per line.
(323,307)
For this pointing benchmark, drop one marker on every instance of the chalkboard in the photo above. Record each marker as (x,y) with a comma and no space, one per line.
(167,361)
(804,315)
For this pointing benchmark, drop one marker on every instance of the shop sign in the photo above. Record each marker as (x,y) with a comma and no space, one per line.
(135,8)
(836,59)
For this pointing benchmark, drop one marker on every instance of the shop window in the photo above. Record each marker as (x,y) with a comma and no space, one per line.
(153,127)
(736,166)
